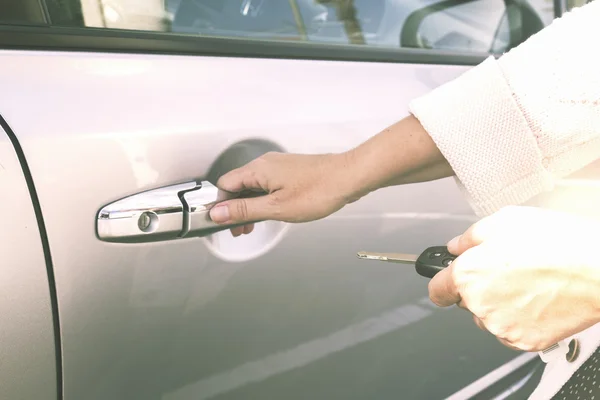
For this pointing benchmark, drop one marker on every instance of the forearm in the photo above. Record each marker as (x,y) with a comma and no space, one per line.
(507,128)
(511,127)
(403,153)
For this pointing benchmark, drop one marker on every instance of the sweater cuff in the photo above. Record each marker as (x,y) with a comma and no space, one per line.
(480,130)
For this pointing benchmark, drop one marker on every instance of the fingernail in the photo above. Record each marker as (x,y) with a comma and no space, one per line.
(220,214)
(453,244)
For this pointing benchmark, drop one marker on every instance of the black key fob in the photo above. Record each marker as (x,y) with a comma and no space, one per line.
(433,260)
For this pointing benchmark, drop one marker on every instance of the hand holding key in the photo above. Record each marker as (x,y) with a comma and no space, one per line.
(428,264)
(530,276)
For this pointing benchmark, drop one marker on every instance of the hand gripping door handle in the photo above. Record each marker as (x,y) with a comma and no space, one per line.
(167,213)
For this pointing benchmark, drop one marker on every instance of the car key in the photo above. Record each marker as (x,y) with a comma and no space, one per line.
(428,264)
(433,260)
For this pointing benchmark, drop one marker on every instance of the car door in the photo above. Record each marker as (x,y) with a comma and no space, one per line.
(113,99)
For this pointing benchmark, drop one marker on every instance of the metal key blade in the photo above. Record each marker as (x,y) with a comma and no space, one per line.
(389,257)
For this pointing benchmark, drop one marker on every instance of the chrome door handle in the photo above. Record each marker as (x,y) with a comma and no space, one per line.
(197,204)
(166,213)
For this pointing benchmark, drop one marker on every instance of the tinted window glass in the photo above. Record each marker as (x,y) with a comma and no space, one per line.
(253,18)
(21,12)
(455,25)
(576,3)
(471,26)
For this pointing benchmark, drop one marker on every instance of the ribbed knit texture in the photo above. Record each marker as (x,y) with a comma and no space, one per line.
(510,127)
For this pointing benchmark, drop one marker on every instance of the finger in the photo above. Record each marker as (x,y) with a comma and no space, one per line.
(479,323)
(482,326)
(237,231)
(242,179)
(442,290)
(453,247)
(463,305)
(474,236)
(507,344)
(248,229)
(245,210)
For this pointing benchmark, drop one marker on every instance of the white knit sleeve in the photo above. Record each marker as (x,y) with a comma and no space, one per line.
(510,127)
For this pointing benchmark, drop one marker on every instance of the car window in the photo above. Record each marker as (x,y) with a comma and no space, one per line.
(470,26)
(20,12)
(478,26)
(251,18)
(570,4)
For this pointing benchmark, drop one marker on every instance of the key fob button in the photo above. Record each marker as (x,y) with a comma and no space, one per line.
(433,260)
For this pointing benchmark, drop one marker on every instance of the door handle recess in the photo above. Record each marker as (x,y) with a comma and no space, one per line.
(170,212)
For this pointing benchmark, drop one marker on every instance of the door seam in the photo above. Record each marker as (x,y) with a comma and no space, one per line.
(46,248)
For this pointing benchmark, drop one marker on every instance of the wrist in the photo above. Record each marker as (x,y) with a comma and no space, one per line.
(403,153)
(347,178)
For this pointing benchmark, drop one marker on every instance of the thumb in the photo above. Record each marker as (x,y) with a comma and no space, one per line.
(245,210)
(474,236)
(442,289)
(464,242)
(500,224)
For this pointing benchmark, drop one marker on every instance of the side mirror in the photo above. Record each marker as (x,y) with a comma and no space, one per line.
(467,25)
